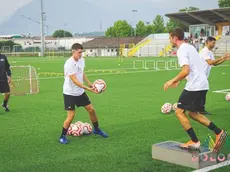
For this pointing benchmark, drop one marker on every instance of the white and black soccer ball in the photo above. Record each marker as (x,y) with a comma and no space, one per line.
(166,108)
(227,97)
(99,85)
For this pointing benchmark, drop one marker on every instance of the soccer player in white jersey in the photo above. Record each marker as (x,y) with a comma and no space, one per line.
(74,92)
(207,55)
(195,90)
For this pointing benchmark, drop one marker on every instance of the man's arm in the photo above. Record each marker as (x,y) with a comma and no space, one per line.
(87,80)
(8,71)
(7,67)
(182,75)
(78,83)
(217,61)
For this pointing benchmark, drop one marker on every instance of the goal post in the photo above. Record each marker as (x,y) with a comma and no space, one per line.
(24,80)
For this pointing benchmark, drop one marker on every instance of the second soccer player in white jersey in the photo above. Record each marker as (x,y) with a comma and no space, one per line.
(194,93)
(207,55)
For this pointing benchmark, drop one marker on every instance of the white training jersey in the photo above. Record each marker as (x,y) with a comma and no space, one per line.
(196,80)
(73,67)
(207,54)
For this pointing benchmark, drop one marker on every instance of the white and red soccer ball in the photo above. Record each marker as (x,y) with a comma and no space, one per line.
(227,97)
(166,108)
(99,85)
(87,129)
(79,128)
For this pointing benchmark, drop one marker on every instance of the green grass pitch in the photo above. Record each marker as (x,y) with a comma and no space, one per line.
(129,111)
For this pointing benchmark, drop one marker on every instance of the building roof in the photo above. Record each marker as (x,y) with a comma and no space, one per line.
(105,42)
(210,16)
(11,36)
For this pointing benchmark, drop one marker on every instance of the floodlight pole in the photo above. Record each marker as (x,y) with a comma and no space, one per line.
(134,11)
(42,30)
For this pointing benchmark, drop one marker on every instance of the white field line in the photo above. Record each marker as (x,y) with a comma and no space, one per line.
(213,167)
(226,91)
(120,72)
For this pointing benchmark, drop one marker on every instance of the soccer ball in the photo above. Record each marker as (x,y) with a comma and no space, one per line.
(87,129)
(70,129)
(174,106)
(166,108)
(79,123)
(77,130)
(99,85)
(227,97)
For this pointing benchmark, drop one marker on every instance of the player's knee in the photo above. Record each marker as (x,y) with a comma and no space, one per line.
(70,115)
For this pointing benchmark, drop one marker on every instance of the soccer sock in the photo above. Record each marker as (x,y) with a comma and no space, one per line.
(214,128)
(192,135)
(64,131)
(95,125)
(5,103)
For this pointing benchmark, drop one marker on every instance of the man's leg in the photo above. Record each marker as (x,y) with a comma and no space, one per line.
(67,122)
(203,104)
(181,116)
(5,101)
(93,117)
(207,123)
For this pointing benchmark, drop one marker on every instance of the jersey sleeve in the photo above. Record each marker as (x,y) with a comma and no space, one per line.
(183,57)
(69,69)
(206,55)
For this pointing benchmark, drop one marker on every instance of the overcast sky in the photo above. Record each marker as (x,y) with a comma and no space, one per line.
(8,7)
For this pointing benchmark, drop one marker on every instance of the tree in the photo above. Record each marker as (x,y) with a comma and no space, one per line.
(149,29)
(62,33)
(189,9)
(224,3)
(8,45)
(121,28)
(141,29)
(110,32)
(172,24)
(158,24)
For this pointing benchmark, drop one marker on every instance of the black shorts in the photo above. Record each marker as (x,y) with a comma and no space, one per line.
(4,87)
(71,101)
(193,101)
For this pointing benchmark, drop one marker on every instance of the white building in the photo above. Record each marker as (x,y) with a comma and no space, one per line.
(104,46)
(51,42)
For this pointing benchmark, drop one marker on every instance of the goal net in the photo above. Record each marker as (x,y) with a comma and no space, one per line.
(24,80)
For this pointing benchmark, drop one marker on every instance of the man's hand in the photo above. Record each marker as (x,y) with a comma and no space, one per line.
(9,79)
(92,90)
(90,85)
(227,57)
(170,84)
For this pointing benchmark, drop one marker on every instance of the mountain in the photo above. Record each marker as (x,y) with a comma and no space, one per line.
(79,16)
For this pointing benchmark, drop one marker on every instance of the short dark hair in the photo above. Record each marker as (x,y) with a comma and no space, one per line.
(77,46)
(179,33)
(210,39)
